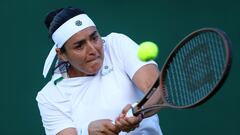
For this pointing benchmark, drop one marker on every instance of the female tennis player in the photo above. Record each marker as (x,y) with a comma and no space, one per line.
(94,81)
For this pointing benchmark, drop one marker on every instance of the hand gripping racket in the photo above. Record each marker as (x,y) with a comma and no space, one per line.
(194,71)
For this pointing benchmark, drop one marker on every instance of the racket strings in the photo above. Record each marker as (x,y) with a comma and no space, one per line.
(197,66)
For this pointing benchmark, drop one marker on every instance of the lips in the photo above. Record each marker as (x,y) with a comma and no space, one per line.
(93,59)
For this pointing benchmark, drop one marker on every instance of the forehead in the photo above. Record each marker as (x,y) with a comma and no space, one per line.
(82,35)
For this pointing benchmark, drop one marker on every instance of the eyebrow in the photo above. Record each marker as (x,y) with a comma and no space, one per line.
(93,34)
(82,41)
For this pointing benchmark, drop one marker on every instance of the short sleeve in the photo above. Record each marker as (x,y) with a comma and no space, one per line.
(53,118)
(126,50)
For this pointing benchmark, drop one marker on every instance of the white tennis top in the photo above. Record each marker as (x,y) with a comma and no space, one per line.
(75,102)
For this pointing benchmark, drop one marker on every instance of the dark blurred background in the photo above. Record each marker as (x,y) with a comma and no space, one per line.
(25,45)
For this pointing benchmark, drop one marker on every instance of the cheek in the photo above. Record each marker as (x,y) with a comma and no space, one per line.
(76,59)
(100,49)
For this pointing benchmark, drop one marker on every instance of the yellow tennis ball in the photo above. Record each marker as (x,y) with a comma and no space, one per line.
(147,51)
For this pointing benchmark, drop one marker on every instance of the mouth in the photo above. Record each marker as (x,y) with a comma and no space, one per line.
(93,59)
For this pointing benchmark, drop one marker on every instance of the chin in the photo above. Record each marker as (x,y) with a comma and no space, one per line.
(95,69)
(92,73)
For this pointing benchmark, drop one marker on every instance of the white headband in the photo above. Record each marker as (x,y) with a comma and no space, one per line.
(63,33)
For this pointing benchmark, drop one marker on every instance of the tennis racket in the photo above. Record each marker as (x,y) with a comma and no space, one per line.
(194,71)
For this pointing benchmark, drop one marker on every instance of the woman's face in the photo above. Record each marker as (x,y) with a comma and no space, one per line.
(84,52)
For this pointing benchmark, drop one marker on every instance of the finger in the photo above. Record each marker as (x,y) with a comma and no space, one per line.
(124,121)
(118,123)
(125,126)
(131,123)
(121,124)
(111,127)
(133,120)
(126,108)
(131,128)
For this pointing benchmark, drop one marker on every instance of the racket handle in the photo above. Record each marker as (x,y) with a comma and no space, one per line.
(130,112)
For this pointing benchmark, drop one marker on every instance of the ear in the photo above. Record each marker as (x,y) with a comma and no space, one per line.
(61,55)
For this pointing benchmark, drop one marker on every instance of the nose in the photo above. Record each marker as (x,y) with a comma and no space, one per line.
(92,48)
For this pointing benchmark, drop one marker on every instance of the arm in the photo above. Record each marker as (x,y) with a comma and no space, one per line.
(102,127)
(143,74)
(98,127)
(144,78)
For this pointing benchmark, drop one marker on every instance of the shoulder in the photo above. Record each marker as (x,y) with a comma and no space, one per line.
(114,34)
(113,37)
(48,92)
(118,42)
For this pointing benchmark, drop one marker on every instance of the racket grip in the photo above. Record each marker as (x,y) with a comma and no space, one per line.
(130,111)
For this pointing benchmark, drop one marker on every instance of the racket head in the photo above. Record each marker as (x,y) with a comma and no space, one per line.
(195,69)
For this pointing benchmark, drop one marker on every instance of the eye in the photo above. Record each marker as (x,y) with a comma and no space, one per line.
(79,46)
(95,37)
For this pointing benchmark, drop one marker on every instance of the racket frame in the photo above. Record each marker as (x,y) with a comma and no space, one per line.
(138,109)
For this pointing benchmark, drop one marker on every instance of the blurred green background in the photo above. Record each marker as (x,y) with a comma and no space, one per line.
(25,45)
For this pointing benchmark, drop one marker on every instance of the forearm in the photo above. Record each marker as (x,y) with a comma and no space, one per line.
(144,78)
